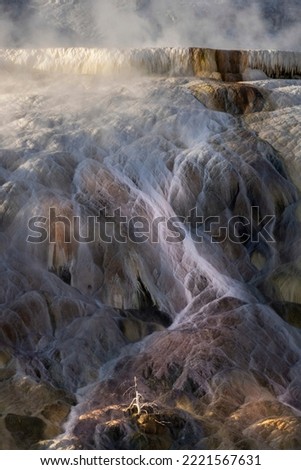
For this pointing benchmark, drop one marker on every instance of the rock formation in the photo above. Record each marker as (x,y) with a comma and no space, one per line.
(150,249)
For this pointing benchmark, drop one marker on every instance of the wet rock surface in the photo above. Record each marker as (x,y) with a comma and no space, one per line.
(189,339)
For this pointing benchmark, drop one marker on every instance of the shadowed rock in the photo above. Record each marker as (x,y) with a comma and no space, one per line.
(289,311)
(26,430)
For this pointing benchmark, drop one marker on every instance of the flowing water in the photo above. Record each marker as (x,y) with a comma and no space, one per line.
(150,232)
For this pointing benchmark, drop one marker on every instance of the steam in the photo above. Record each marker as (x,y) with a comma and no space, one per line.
(194,321)
(227,24)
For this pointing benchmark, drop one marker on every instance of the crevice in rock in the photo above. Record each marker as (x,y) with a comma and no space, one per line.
(145,299)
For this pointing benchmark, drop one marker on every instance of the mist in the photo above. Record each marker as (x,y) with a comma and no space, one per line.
(124,112)
(226,24)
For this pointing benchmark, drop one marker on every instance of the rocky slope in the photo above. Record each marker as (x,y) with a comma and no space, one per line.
(188,338)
